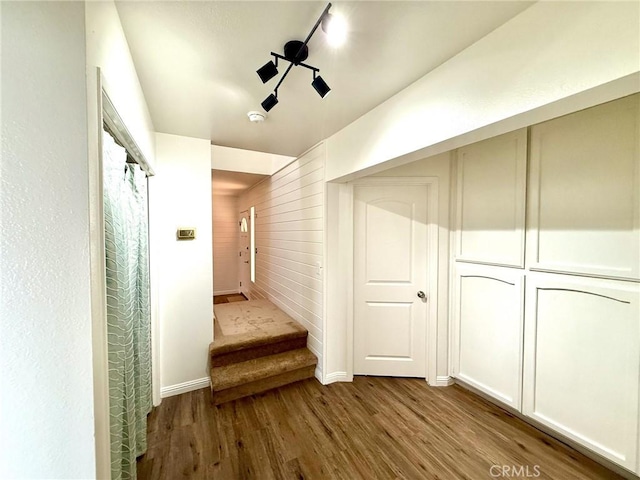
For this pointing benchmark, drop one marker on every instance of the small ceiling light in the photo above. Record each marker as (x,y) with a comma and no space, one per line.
(268,71)
(335,26)
(269,102)
(256,117)
(320,85)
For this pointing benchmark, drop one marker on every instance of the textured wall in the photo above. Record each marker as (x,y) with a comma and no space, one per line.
(46,395)
(107,48)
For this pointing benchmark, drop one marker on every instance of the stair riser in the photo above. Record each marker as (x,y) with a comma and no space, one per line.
(220,360)
(262,385)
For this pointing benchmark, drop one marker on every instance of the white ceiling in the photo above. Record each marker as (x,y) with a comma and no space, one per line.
(224,182)
(197,60)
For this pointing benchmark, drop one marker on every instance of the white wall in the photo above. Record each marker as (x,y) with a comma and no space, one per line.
(107,48)
(248,161)
(226,235)
(180,196)
(46,418)
(289,237)
(551,51)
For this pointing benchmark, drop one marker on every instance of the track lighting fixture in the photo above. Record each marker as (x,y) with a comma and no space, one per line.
(269,102)
(268,71)
(296,52)
(320,85)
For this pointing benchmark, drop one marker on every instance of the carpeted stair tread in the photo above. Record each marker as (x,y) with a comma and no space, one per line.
(247,325)
(257,369)
(228,344)
(244,353)
(262,385)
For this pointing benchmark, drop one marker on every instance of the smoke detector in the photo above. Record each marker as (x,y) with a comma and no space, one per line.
(256,117)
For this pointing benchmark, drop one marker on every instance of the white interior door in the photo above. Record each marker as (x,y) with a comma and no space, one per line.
(245,254)
(390,271)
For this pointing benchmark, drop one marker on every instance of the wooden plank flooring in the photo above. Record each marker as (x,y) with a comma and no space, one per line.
(373,428)
(234,297)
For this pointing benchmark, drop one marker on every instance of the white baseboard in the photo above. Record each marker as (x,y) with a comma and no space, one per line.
(318,372)
(185,387)
(337,377)
(443,381)
(226,292)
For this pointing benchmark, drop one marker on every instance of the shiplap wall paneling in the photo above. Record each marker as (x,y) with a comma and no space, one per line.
(584,193)
(582,357)
(491,194)
(225,244)
(488,325)
(289,230)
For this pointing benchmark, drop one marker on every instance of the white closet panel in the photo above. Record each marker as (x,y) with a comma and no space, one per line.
(584,192)
(491,200)
(488,316)
(582,355)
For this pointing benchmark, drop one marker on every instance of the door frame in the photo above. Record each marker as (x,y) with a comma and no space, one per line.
(431,339)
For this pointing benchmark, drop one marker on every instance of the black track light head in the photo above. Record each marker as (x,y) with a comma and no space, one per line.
(267,71)
(269,102)
(321,86)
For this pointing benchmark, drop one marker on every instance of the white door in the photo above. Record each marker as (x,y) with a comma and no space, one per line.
(245,254)
(390,275)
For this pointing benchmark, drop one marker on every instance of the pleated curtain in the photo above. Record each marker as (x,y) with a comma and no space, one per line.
(128,307)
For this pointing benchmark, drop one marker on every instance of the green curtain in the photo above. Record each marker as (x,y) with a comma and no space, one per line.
(128,309)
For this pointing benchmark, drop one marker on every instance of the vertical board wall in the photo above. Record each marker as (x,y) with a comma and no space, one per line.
(226,234)
(289,229)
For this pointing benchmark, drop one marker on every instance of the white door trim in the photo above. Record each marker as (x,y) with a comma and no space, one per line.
(100,367)
(432,272)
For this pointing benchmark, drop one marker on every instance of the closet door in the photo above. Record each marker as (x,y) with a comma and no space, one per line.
(582,352)
(584,208)
(490,217)
(488,325)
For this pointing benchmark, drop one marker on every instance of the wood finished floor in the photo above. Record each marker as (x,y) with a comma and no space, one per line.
(373,428)
(234,297)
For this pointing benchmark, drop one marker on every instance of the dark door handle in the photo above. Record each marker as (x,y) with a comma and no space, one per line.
(421,294)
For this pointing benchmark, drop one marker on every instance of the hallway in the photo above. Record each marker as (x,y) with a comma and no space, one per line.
(373,428)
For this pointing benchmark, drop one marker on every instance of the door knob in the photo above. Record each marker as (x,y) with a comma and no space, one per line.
(421,294)
(246,261)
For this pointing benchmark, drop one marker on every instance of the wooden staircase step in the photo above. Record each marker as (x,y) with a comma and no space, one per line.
(255,369)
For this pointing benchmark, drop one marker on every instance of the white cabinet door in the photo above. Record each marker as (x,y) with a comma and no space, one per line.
(491,200)
(582,352)
(584,202)
(390,268)
(488,330)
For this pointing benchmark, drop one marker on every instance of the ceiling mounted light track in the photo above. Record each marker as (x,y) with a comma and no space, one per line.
(296,52)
